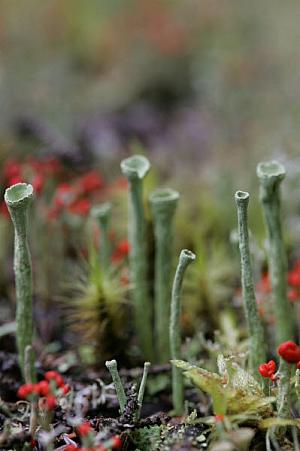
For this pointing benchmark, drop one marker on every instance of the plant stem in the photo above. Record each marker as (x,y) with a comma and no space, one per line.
(163,202)
(135,169)
(18,198)
(284,389)
(113,369)
(255,328)
(186,257)
(102,213)
(270,175)
(33,404)
(142,387)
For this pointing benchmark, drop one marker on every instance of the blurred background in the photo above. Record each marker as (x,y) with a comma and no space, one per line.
(206,89)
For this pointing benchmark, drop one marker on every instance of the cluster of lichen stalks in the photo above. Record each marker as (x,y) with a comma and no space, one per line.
(158,327)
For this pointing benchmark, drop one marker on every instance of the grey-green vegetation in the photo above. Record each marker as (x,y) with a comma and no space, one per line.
(270,175)
(163,202)
(185,259)
(18,199)
(255,328)
(135,169)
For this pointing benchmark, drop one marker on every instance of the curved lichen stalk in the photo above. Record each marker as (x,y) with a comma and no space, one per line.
(135,169)
(185,259)
(18,198)
(270,175)
(255,328)
(163,202)
(102,214)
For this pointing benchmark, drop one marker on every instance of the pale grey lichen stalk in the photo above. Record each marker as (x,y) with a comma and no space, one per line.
(270,175)
(284,389)
(135,169)
(112,367)
(142,388)
(257,354)
(163,203)
(186,257)
(18,198)
(102,214)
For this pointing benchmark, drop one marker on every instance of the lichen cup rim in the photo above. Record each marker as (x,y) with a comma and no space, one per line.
(136,166)
(100,210)
(186,253)
(164,195)
(241,195)
(18,194)
(270,169)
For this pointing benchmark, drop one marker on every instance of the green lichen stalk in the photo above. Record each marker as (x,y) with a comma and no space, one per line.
(112,367)
(135,169)
(163,202)
(102,214)
(284,389)
(270,175)
(255,328)
(18,198)
(186,257)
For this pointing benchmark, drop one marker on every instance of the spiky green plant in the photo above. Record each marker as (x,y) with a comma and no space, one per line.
(18,199)
(97,308)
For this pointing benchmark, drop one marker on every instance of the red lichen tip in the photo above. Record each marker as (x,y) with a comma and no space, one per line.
(268,370)
(289,351)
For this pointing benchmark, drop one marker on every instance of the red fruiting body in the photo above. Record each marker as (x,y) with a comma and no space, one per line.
(38,183)
(268,369)
(84,429)
(293,295)
(90,182)
(298,365)
(66,389)
(289,351)
(80,207)
(43,388)
(71,448)
(116,442)
(50,402)
(59,380)
(25,390)
(50,375)
(219,418)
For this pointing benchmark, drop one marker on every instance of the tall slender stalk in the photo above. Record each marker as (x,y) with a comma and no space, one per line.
(163,202)
(102,213)
(270,176)
(18,198)
(135,169)
(186,257)
(255,328)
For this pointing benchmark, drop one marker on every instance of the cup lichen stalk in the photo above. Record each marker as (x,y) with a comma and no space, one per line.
(186,257)
(112,367)
(284,389)
(102,214)
(163,203)
(142,388)
(18,199)
(33,423)
(135,169)
(270,175)
(255,328)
